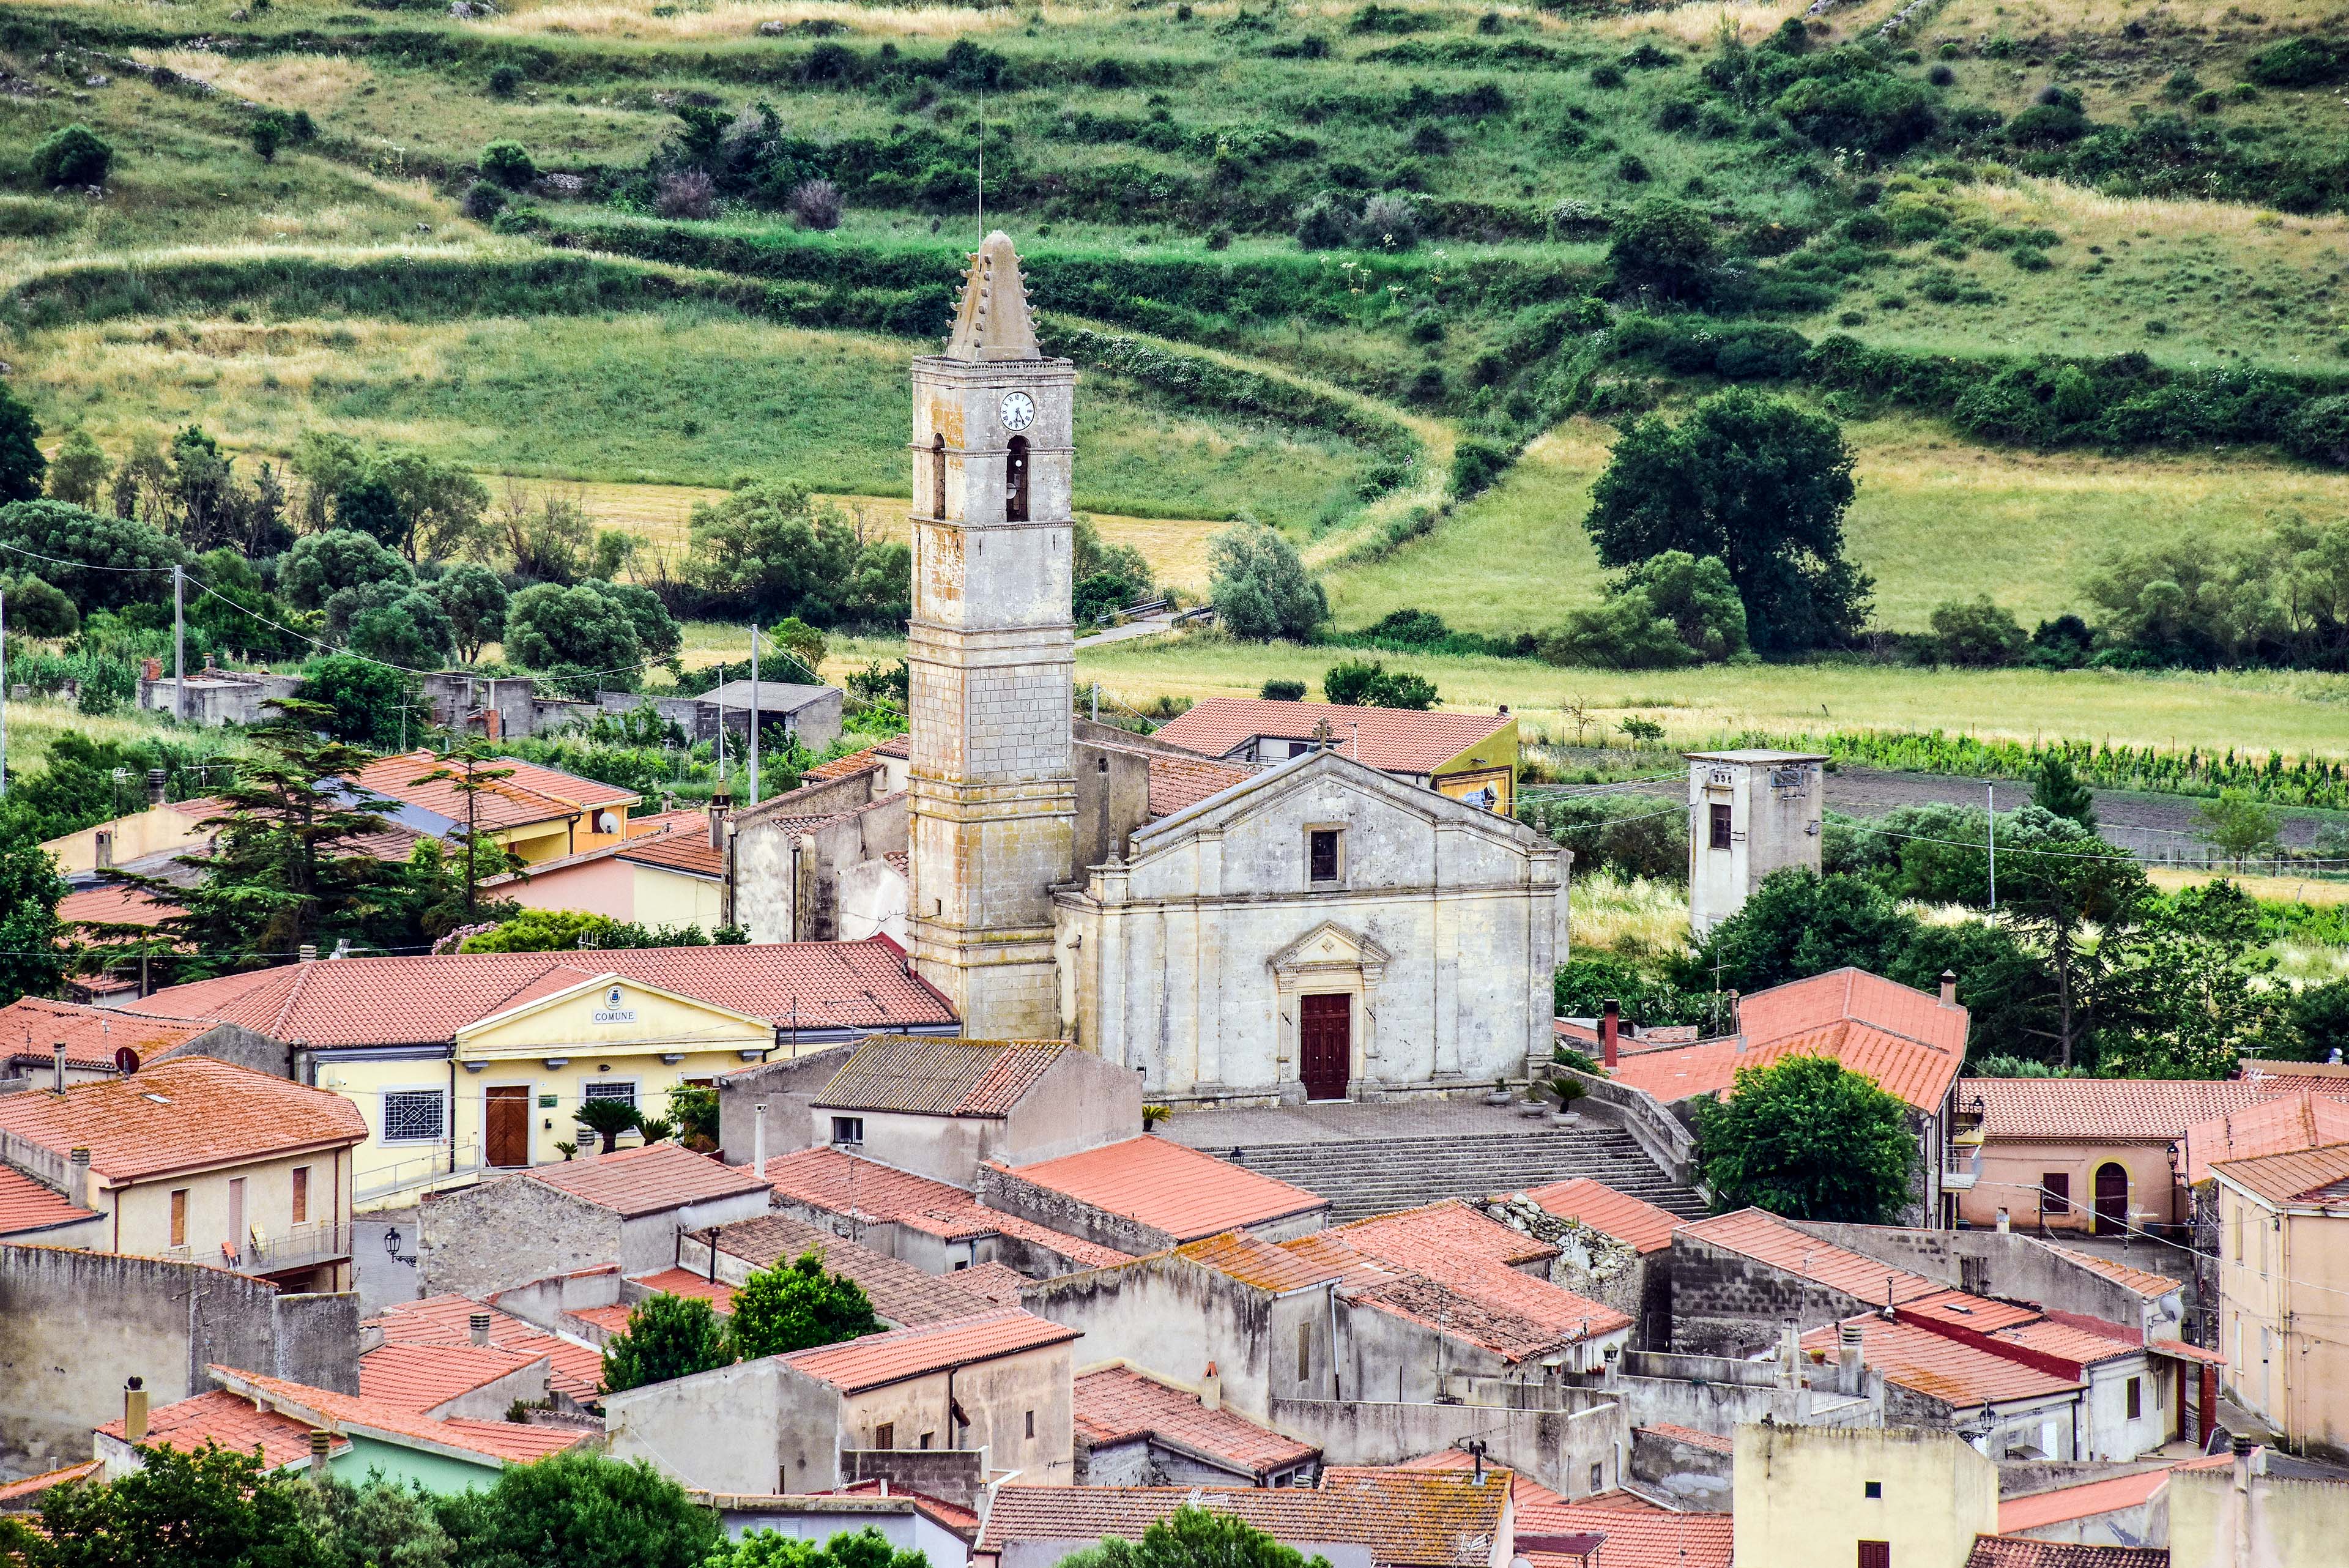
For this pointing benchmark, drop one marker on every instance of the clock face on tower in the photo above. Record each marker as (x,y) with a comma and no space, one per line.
(1018,411)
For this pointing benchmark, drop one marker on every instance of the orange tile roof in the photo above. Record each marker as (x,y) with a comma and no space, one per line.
(1118,1404)
(27,1206)
(1639,1537)
(2041,1508)
(959,1519)
(1711,1442)
(898,1290)
(18,1495)
(577,1369)
(1256,1262)
(189,1114)
(686,1283)
(2067,1341)
(844,1184)
(2294,1121)
(1940,1367)
(1171,1188)
(497,804)
(642,1180)
(31,1025)
(844,767)
(2303,1179)
(113,904)
(232,1422)
(931,1076)
(1392,740)
(417,1377)
(1424,1516)
(1978,1314)
(1755,1233)
(1906,1041)
(2106,1110)
(1329,1252)
(878,1360)
(2143,1281)
(2029,1552)
(1640,1224)
(1455,1276)
(992,1281)
(1524,1490)
(1177,784)
(425,999)
(1447,1227)
(1800,1006)
(509,1442)
(689,853)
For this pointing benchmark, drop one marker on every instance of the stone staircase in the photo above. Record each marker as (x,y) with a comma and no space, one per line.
(1362,1177)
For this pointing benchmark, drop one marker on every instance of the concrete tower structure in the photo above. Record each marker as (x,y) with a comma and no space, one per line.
(1751,813)
(992,792)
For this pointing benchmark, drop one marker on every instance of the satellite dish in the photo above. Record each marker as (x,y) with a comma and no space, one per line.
(126,1060)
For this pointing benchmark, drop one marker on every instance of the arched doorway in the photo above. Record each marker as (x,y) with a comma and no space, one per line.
(2111,1199)
(938,477)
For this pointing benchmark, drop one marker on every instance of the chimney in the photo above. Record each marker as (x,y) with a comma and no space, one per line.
(1851,1353)
(1610,1024)
(2242,1555)
(208,662)
(151,669)
(134,1410)
(758,1147)
(102,849)
(1211,1390)
(322,1445)
(1949,988)
(721,804)
(476,1326)
(79,1176)
(58,1060)
(343,947)
(309,952)
(2005,1222)
(156,779)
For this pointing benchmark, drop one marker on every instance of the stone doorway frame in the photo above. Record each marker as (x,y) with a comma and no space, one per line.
(1330,959)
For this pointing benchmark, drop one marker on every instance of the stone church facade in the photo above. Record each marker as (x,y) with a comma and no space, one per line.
(1321,930)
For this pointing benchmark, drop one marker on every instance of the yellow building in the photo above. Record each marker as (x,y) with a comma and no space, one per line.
(666,872)
(1881,1497)
(465,1064)
(1468,756)
(539,812)
(163,829)
(2283,1290)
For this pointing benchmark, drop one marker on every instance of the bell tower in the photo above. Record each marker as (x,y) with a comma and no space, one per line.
(992,654)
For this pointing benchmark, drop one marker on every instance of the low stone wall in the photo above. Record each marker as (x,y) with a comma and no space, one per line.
(1555,1448)
(1663,1137)
(999,1187)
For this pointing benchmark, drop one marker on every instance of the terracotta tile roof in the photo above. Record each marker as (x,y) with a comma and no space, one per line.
(2027,1552)
(878,1360)
(845,767)
(112,904)
(509,1442)
(1643,1226)
(900,862)
(1978,1314)
(1940,1367)
(928,1076)
(497,804)
(899,745)
(189,1114)
(1802,1005)
(1408,1519)
(1637,1537)
(1117,1404)
(1524,1490)
(1331,1253)
(17,1495)
(1171,1188)
(1711,1442)
(1447,1228)
(2143,1281)
(961,1520)
(1176,782)
(27,1206)
(577,1369)
(642,1180)
(2304,1179)
(689,853)
(2041,1508)
(1455,1276)
(2294,1121)
(31,1025)
(232,1422)
(425,999)
(417,1377)
(1766,1239)
(686,1283)
(863,1189)
(2104,1110)
(898,1290)
(1392,740)
(993,1282)
(1256,1262)
(2067,1342)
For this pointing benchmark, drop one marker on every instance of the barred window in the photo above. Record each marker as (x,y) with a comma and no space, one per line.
(412,1116)
(608,1089)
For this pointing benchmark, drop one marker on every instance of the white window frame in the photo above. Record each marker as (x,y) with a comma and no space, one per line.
(439,1092)
(603,1089)
(858,1123)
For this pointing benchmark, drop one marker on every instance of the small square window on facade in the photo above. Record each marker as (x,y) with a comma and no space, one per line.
(848,1129)
(1321,846)
(1875,1489)
(928,1438)
(1719,817)
(884,1436)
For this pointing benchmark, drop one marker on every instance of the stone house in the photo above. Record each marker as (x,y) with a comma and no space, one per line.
(998,1384)
(1135,1429)
(939,1228)
(816,862)
(903,1296)
(1147,1194)
(769,1107)
(213,697)
(1613,1248)
(1470,757)
(629,1209)
(808,714)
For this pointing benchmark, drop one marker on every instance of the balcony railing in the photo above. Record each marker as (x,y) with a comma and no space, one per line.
(1961,1169)
(297,1247)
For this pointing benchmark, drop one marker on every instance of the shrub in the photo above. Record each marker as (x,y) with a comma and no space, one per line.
(1389,222)
(2297,63)
(2320,432)
(1416,627)
(74,156)
(815,204)
(1605,76)
(686,194)
(1280,691)
(504,80)
(509,164)
(1261,590)
(1367,683)
(1875,110)
(1475,464)
(267,133)
(1941,76)
(2047,125)
(1665,247)
(1631,170)
(1979,634)
(483,202)
(1324,223)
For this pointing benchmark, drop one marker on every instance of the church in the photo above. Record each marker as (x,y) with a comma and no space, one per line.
(1318,930)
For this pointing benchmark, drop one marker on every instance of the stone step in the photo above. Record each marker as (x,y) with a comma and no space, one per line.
(1365,1177)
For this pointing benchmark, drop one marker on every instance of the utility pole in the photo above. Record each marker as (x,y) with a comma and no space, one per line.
(754,714)
(179,645)
(1994,846)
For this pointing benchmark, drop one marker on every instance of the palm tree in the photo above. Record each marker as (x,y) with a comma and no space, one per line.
(607,1119)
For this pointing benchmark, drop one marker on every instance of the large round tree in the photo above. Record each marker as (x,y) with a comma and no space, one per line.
(1808,1139)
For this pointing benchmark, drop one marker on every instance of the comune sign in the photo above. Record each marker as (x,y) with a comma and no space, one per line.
(612,1011)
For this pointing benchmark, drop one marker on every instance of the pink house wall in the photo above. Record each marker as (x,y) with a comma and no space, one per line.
(601,886)
(2012,1171)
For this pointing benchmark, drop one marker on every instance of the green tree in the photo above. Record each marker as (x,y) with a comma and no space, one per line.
(35,609)
(668,1336)
(211,1509)
(1260,587)
(366,505)
(78,473)
(769,550)
(30,962)
(2239,826)
(1757,483)
(551,628)
(867,1548)
(376,1524)
(797,1306)
(1669,610)
(2320,1020)
(1664,248)
(267,133)
(440,506)
(74,156)
(607,1119)
(1090,556)
(102,550)
(509,164)
(406,626)
(582,1510)
(1798,924)
(21,463)
(1805,1138)
(2056,789)
(321,565)
(2075,904)
(462,770)
(1369,683)
(1193,1537)
(1977,633)
(474,599)
(363,703)
(2200,997)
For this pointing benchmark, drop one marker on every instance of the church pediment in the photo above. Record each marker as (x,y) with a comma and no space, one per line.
(1330,946)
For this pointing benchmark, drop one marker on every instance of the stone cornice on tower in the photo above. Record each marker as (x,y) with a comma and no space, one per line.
(992,322)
